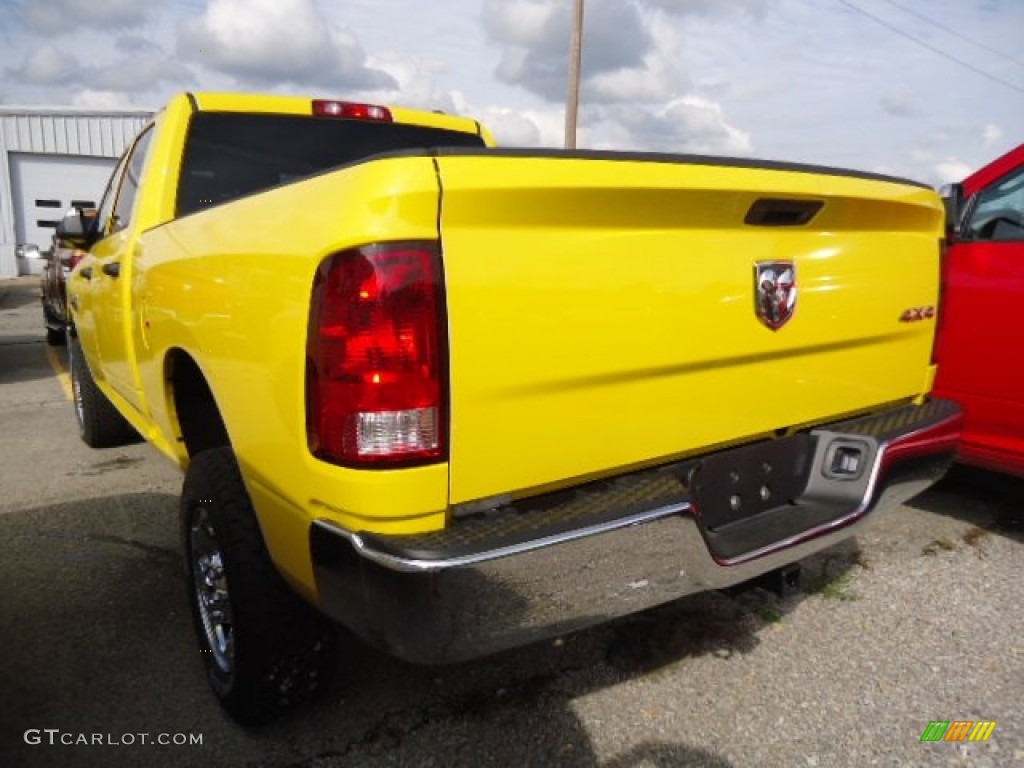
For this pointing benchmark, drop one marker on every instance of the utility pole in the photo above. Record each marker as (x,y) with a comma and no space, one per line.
(575,65)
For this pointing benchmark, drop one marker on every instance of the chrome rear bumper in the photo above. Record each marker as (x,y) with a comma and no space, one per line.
(557,563)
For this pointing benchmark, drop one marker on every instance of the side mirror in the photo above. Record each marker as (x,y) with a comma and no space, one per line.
(27,251)
(77,227)
(953,200)
(28,258)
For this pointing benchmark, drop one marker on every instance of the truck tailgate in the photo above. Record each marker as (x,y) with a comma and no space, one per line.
(602,310)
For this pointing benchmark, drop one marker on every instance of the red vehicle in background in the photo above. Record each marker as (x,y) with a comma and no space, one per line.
(60,260)
(980,345)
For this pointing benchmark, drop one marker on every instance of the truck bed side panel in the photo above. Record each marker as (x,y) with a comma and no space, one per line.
(230,286)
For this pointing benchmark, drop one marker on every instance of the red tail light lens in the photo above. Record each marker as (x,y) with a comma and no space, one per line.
(351,110)
(375,391)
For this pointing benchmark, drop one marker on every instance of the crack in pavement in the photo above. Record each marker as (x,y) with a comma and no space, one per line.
(395,727)
(26,342)
(101,468)
(102,538)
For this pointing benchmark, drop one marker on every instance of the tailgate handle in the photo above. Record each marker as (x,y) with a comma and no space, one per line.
(778,212)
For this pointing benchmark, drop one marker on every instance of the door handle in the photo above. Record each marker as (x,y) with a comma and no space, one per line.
(112,268)
(86,272)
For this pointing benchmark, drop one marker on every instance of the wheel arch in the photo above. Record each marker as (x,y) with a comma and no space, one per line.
(192,405)
(197,425)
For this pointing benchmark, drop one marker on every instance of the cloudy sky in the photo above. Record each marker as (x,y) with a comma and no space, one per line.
(929,89)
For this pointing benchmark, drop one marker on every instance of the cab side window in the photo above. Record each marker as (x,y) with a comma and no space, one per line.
(103,216)
(130,177)
(998,213)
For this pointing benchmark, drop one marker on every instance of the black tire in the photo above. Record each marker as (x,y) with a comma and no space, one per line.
(265,650)
(56,338)
(100,425)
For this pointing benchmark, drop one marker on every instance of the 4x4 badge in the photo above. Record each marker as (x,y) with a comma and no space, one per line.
(774,292)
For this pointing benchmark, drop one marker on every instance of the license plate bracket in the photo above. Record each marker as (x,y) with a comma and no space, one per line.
(742,482)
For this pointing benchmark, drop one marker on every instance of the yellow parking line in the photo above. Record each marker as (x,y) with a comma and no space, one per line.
(60,369)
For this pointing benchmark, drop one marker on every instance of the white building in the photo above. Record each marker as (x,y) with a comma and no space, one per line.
(50,160)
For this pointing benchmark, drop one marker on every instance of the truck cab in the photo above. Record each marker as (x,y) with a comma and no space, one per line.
(982,323)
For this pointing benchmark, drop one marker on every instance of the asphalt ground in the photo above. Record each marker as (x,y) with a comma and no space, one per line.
(917,620)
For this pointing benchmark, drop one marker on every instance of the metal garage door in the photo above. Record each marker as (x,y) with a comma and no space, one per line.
(45,186)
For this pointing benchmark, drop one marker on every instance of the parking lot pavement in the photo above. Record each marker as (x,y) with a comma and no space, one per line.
(918,620)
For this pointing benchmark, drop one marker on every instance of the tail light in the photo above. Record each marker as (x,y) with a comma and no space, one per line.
(375,386)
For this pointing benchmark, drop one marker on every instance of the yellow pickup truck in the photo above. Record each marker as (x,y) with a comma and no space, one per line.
(459,398)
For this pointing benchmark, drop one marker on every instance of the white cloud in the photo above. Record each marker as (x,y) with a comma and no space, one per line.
(534,35)
(948,171)
(69,16)
(143,66)
(636,93)
(526,23)
(689,124)
(91,99)
(631,48)
(550,123)
(935,168)
(271,42)
(657,78)
(415,84)
(512,129)
(139,73)
(700,126)
(48,65)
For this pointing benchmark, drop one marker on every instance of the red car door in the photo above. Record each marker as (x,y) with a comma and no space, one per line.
(981,338)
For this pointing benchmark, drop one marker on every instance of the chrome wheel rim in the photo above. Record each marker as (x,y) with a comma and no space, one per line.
(211,590)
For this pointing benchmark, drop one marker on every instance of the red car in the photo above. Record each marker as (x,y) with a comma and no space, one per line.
(980,346)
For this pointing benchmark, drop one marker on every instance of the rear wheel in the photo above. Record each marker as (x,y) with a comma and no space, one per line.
(265,651)
(99,422)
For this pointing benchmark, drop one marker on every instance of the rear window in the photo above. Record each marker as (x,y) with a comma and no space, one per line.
(229,155)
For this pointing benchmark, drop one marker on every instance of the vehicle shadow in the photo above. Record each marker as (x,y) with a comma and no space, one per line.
(97,639)
(25,290)
(519,704)
(990,502)
(23,359)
